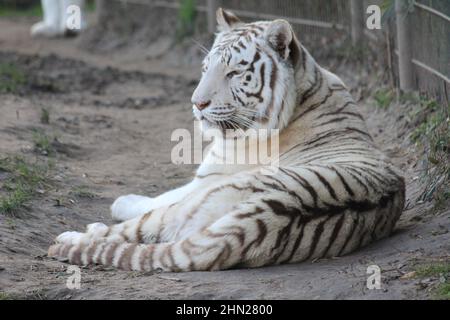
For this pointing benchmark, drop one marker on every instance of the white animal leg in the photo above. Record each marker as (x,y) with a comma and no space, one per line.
(50,26)
(131,206)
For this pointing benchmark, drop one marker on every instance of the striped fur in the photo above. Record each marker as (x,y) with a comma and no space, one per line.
(334,192)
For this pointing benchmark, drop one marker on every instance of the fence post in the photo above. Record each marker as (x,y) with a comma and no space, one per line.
(211,15)
(405,64)
(357,16)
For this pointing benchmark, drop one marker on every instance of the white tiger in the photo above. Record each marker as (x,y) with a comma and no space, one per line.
(334,191)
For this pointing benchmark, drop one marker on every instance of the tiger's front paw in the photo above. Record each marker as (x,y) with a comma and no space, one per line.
(130,206)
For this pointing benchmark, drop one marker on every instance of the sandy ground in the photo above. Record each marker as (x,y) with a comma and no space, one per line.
(113,115)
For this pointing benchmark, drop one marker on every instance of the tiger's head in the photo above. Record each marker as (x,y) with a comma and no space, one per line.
(248,77)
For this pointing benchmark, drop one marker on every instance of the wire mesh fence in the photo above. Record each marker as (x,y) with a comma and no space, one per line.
(430,39)
(325,21)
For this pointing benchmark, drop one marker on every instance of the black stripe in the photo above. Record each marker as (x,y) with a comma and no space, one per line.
(316,237)
(337,228)
(357,180)
(263,80)
(314,106)
(262,233)
(368,182)
(303,182)
(362,232)
(303,221)
(344,182)
(315,87)
(325,182)
(330,121)
(303,57)
(350,235)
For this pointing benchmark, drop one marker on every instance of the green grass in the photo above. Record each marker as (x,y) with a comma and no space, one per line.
(433,270)
(90,6)
(45,116)
(42,143)
(82,192)
(432,134)
(5,296)
(186,18)
(384,98)
(15,200)
(10,11)
(440,270)
(11,78)
(21,184)
(443,291)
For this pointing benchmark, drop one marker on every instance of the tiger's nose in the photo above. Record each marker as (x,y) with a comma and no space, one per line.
(202,105)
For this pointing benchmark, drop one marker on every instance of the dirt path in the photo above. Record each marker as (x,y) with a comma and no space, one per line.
(113,116)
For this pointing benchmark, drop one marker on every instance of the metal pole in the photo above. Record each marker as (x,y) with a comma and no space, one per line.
(357,16)
(212,7)
(405,55)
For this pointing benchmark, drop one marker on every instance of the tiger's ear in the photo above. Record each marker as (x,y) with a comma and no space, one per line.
(282,39)
(226,20)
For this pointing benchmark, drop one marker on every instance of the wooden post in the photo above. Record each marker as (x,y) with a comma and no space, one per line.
(211,15)
(99,9)
(357,16)
(405,55)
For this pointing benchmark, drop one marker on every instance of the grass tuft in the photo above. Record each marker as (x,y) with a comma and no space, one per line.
(441,271)
(186,18)
(432,270)
(384,98)
(42,143)
(11,78)
(45,116)
(443,291)
(23,181)
(82,192)
(5,296)
(433,136)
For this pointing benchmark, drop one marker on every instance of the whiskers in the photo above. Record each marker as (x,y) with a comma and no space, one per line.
(245,117)
(240,120)
(201,47)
